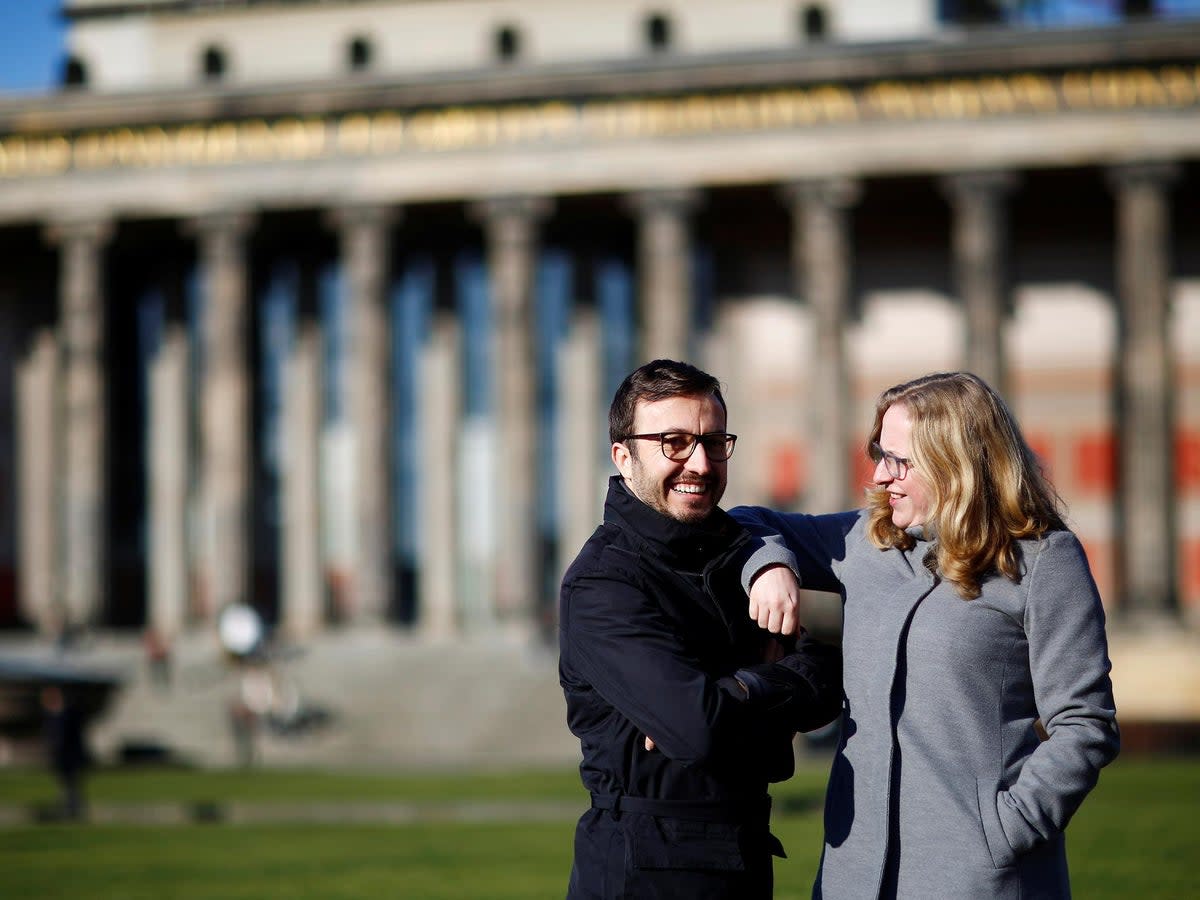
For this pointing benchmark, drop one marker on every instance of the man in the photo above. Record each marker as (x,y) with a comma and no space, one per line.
(682,717)
(65,746)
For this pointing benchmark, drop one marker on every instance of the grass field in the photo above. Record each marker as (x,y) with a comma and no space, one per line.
(1136,836)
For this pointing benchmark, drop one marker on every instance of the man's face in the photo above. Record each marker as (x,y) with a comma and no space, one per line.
(687,490)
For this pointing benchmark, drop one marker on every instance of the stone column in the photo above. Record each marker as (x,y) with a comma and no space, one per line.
(167,566)
(582,437)
(439,414)
(1144,396)
(302,591)
(84,438)
(980,250)
(364,242)
(38,482)
(225,413)
(821,255)
(511,225)
(665,271)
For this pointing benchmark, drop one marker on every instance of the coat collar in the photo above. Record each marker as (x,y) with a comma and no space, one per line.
(687,545)
(921,558)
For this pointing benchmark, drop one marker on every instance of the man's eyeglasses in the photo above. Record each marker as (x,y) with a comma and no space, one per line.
(679,446)
(897,466)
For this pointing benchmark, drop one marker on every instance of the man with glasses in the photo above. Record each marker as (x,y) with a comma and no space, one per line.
(684,706)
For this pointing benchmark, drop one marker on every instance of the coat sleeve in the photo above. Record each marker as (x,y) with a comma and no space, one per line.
(811,546)
(1069,665)
(802,690)
(622,644)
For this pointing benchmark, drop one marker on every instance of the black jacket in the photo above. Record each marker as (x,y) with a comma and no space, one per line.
(653,627)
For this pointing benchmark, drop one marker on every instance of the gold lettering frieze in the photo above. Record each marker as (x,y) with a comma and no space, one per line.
(468,128)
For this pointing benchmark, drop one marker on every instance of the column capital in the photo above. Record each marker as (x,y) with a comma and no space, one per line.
(680,201)
(836,191)
(529,207)
(96,229)
(990,182)
(351,215)
(235,222)
(1143,172)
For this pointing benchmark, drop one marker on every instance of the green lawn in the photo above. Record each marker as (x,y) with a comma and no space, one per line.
(1135,837)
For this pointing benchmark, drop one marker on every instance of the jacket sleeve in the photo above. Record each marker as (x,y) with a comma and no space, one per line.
(1069,664)
(811,546)
(626,649)
(802,690)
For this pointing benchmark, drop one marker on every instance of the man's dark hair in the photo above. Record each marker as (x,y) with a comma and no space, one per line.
(659,379)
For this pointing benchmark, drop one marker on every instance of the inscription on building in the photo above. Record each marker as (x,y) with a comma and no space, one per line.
(446,129)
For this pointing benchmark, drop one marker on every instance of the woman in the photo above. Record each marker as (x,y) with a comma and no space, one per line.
(970,616)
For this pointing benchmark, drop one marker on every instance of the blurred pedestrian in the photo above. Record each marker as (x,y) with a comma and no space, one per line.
(158,656)
(65,747)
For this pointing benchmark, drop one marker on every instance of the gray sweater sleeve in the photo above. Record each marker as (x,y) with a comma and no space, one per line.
(811,546)
(1069,664)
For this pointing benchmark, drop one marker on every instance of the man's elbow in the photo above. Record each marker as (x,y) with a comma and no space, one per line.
(689,747)
(820,713)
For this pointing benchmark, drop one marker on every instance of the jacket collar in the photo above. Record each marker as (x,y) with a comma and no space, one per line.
(692,545)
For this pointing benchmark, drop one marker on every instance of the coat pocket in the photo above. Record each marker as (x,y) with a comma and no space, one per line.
(662,843)
(988,791)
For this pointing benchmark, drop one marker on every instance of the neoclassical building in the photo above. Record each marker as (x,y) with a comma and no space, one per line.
(318,306)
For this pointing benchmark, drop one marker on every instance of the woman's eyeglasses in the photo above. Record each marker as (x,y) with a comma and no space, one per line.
(897,466)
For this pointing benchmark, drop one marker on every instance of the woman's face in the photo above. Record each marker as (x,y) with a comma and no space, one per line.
(911,497)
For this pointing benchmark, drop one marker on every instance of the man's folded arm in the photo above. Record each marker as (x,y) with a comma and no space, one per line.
(627,650)
(802,690)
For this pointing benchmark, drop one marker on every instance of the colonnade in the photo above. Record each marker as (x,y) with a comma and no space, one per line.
(62,478)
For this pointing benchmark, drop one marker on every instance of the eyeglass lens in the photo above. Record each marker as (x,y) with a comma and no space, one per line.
(680,445)
(896,466)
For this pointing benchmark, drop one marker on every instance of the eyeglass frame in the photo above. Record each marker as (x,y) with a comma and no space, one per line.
(728,440)
(896,466)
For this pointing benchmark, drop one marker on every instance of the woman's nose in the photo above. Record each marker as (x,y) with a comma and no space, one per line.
(881,475)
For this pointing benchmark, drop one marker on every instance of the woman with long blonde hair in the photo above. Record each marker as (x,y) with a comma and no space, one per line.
(978,706)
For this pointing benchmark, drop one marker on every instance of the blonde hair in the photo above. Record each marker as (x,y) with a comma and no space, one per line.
(988,488)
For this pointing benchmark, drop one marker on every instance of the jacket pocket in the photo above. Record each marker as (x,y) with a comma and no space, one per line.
(661,843)
(988,791)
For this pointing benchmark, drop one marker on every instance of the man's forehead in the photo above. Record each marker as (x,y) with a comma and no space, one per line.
(684,407)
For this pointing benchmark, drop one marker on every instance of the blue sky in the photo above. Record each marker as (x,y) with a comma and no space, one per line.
(31,38)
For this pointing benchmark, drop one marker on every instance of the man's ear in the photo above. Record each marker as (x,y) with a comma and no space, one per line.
(622,459)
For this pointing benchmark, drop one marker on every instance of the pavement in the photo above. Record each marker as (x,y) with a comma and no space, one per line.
(352,698)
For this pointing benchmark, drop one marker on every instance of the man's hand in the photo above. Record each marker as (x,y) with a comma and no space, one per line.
(649,743)
(775,599)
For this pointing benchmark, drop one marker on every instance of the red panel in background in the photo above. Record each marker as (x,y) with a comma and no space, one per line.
(1042,446)
(1187,460)
(1190,550)
(1094,458)
(862,470)
(789,475)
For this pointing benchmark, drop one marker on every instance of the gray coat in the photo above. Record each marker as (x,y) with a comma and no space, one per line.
(941,787)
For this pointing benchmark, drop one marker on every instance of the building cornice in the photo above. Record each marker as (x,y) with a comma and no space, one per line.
(951,55)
